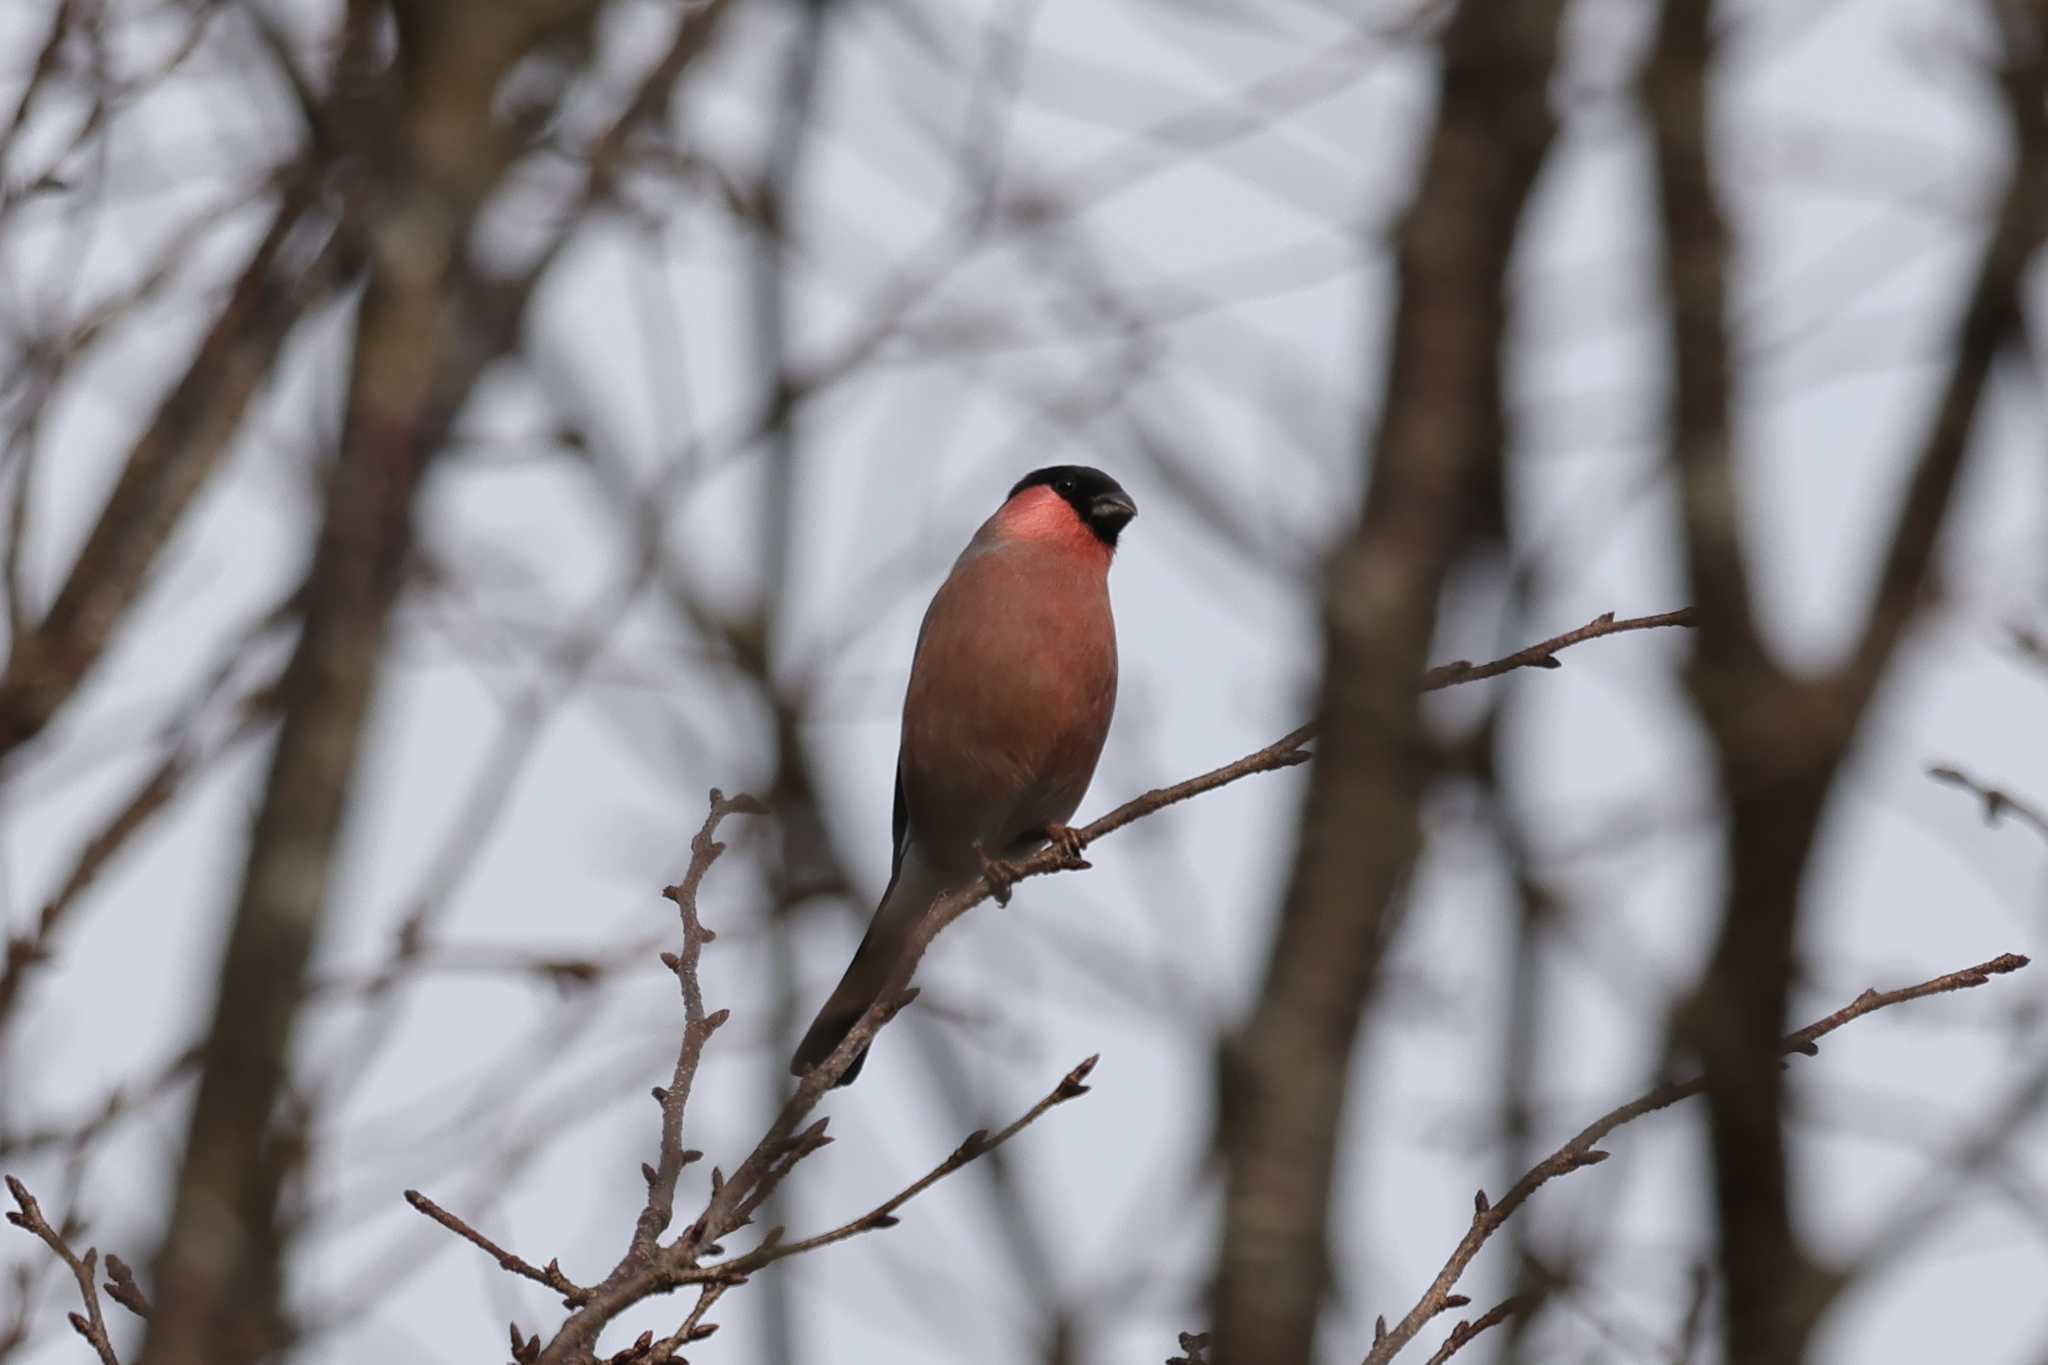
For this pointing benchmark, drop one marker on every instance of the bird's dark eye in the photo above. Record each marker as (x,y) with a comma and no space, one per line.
(1065,485)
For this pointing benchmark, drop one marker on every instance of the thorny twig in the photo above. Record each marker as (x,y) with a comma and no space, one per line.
(89,1324)
(697,1025)
(1581,1151)
(714,1280)
(697,1029)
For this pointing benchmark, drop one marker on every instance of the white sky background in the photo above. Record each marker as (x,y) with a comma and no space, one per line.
(1856,151)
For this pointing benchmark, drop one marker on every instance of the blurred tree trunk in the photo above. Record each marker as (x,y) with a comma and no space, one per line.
(1781,740)
(1432,484)
(420,344)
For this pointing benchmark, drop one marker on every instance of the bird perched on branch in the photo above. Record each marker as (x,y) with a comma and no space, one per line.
(1011,690)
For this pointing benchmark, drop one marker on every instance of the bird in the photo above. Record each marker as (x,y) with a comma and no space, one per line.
(1012,685)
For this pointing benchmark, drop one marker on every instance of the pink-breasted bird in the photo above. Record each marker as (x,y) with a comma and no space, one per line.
(1011,690)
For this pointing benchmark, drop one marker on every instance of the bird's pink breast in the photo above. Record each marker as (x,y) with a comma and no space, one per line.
(1010,698)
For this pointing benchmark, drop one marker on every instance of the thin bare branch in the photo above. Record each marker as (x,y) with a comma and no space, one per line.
(550,1275)
(977,1144)
(172,775)
(1467,1330)
(697,1025)
(1544,654)
(1582,1149)
(165,472)
(1998,803)
(90,1325)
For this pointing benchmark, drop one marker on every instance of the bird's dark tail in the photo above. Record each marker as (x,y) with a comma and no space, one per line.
(842,1010)
(903,904)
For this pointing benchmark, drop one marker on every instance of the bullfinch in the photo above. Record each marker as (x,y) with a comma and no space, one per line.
(1011,689)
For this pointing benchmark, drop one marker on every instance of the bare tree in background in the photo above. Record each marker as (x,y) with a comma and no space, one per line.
(438,438)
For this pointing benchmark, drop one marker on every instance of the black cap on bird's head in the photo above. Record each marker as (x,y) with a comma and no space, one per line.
(1097,499)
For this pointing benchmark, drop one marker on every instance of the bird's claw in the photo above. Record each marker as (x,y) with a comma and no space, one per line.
(999,873)
(1069,841)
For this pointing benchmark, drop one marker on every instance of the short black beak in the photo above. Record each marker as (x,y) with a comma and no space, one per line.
(1110,511)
